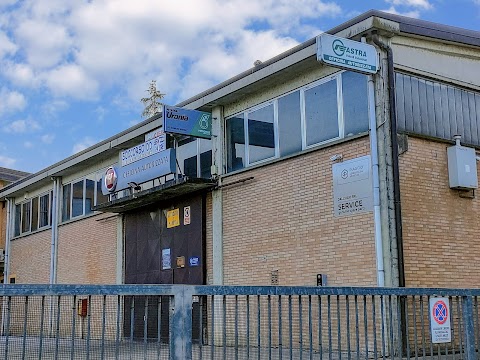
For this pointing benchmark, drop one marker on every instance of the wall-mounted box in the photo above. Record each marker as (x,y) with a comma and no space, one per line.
(462,168)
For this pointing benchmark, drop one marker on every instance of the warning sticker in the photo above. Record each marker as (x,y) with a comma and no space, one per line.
(440,320)
(173,218)
(186,215)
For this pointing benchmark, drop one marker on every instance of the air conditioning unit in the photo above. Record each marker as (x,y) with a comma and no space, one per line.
(2,255)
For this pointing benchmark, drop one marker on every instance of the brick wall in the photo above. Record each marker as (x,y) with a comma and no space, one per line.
(283,220)
(87,251)
(30,258)
(441,230)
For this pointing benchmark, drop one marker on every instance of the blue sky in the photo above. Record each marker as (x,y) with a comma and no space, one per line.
(72,73)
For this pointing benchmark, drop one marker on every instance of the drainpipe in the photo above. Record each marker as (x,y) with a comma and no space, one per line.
(8,235)
(53,243)
(376,183)
(395,167)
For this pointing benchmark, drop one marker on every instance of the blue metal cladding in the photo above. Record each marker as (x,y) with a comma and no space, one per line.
(437,109)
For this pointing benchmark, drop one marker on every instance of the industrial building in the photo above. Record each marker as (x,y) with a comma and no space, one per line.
(315,174)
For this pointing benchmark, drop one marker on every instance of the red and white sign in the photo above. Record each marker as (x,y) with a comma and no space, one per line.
(186,215)
(440,320)
(110,179)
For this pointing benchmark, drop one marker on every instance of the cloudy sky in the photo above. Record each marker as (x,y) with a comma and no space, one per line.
(72,72)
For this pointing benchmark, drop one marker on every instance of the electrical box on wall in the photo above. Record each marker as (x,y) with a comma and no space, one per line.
(462,167)
(321,280)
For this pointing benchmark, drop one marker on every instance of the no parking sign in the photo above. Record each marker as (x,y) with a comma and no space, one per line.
(440,320)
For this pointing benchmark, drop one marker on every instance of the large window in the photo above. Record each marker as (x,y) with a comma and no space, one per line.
(33,214)
(328,109)
(194,157)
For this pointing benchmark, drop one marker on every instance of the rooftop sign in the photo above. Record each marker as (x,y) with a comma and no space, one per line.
(347,54)
(187,122)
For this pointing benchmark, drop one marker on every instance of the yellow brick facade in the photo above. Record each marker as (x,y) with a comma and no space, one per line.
(441,230)
(283,220)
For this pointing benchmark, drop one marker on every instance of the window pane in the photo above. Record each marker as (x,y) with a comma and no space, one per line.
(206,164)
(261,136)
(34,213)
(289,124)
(66,202)
(89,195)
(190,167)
(44,210)
(205,158)
(26,213)
(235,143)
(18,218)
(321,113)
(100,197)
(187,157)
(355,103)
(77,199)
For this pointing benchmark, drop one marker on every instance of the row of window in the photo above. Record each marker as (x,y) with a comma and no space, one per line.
(34,214)
(329,109)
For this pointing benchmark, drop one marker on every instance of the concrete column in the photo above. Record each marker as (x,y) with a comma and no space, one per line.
(120,254)
(217,200)
(387,208)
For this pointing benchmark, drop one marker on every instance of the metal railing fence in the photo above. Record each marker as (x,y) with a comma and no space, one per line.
(232,322)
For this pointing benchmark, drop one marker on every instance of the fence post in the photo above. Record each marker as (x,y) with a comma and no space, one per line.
(181,323)
(467,317)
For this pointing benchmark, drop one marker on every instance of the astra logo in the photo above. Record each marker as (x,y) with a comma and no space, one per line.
(340,49)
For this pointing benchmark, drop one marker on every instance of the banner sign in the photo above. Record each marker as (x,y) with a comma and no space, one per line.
(347,54)
(187,122)
(352,187)
(148,168)
(143,150)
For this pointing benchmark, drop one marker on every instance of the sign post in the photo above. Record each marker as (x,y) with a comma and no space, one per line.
(440,320)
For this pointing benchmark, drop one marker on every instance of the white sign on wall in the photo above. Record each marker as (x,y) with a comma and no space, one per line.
(352,186)
(440,320)
(347,54)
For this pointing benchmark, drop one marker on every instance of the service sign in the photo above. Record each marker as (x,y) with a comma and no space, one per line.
(151,167)
(347,54)
(187,122)
(352,187)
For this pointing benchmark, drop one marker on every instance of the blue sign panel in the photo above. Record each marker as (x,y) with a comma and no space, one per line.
(194,261)
(151,167)
(187,122)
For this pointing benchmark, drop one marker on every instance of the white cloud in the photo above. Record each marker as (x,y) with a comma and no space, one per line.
(11,101)
(413,14)
(422,4)
(52,108)
(21,126)
(83,144)
(28,144)
(47,138)
(6,45)
(6,161)
(71,80)
(20,74)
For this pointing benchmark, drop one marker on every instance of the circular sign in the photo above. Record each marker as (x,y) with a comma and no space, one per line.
(440,312)
(110,179)
(338,47)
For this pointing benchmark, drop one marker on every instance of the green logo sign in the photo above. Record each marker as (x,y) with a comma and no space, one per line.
(338,47)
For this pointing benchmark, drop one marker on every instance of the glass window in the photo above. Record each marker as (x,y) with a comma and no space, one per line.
(261,134)
(205,158)
(100,197)
(44,210)
(187,156)
(66,204)
(235,131)
(190,166)
(321,113)
(77,199)
(290,124)
(26,216)
(89,195)
(34,213)
(355,103)
(18,219)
